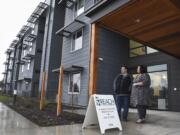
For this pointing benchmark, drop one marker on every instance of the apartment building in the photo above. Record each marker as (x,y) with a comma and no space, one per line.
(91,39)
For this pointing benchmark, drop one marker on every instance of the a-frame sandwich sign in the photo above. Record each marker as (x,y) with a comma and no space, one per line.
(102,111)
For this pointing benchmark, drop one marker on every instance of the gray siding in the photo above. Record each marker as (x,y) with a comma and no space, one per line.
(113,49)
(80,58)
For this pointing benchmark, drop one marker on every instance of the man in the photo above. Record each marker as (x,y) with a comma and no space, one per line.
(122,89)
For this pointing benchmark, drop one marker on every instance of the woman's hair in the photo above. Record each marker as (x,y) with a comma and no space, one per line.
(143,69)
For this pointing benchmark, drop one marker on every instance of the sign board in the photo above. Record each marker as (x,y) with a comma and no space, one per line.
(103,112)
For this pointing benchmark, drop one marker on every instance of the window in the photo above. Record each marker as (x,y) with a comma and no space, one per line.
(30,48)
(22,68)
(79,7)
(29,64)
(137,49)
(24,52)
(32,32)
(151,50)
(77,41)
(74,83)
(159,86)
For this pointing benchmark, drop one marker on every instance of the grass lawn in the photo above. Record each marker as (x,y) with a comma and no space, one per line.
(4,98)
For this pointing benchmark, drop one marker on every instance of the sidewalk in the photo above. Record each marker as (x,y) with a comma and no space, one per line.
(158,123)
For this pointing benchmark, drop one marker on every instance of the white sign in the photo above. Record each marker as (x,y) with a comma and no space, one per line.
(15,92)
(102,110)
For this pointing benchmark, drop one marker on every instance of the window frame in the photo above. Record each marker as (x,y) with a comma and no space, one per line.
(69,84)
(142,46)
(22,68)
(28,65)
(76,9)
(73,41)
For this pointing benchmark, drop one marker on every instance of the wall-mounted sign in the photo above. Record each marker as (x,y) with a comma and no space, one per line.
(102,111)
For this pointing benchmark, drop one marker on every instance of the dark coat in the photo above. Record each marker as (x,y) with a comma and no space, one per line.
(140,94)
(122,85)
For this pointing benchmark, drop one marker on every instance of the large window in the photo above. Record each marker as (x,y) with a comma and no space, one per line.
(137,49)
(77,41)
(74,83)
(159,86)
(79,7)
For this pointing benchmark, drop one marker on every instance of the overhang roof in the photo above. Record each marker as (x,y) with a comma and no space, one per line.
(155,23)
(30,37)
(69,69)
(23,31)
(37,12)
(66,31)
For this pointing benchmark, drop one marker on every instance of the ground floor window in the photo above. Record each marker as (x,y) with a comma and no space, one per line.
(159,86)
(74,83)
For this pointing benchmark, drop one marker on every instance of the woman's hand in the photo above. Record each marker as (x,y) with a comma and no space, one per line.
(138,84)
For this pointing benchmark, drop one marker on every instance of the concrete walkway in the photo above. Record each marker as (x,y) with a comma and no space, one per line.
(158,123)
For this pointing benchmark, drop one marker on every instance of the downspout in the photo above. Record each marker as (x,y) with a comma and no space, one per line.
(44,75)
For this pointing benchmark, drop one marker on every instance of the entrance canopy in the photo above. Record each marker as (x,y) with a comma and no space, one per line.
(155,23)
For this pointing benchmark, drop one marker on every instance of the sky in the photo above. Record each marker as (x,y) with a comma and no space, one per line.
(13,15)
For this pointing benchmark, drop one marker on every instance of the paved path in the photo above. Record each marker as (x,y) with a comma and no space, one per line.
(159,123)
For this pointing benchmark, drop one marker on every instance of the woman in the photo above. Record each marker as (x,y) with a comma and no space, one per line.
(141,92)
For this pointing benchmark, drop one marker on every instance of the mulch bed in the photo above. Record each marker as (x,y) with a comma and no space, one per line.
(29,108)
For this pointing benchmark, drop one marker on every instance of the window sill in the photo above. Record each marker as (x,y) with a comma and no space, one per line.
(74,93)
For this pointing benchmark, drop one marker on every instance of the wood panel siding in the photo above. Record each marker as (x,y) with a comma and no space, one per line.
(155,23)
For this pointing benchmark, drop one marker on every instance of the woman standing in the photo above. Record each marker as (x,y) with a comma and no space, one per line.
(141,92)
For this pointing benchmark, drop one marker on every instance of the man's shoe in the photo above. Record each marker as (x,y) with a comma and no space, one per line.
(139,121)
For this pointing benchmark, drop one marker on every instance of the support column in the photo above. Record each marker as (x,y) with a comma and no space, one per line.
(59,102)
(42,99)
(93,59)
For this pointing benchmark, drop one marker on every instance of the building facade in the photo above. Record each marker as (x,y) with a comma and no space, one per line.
(91,39)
